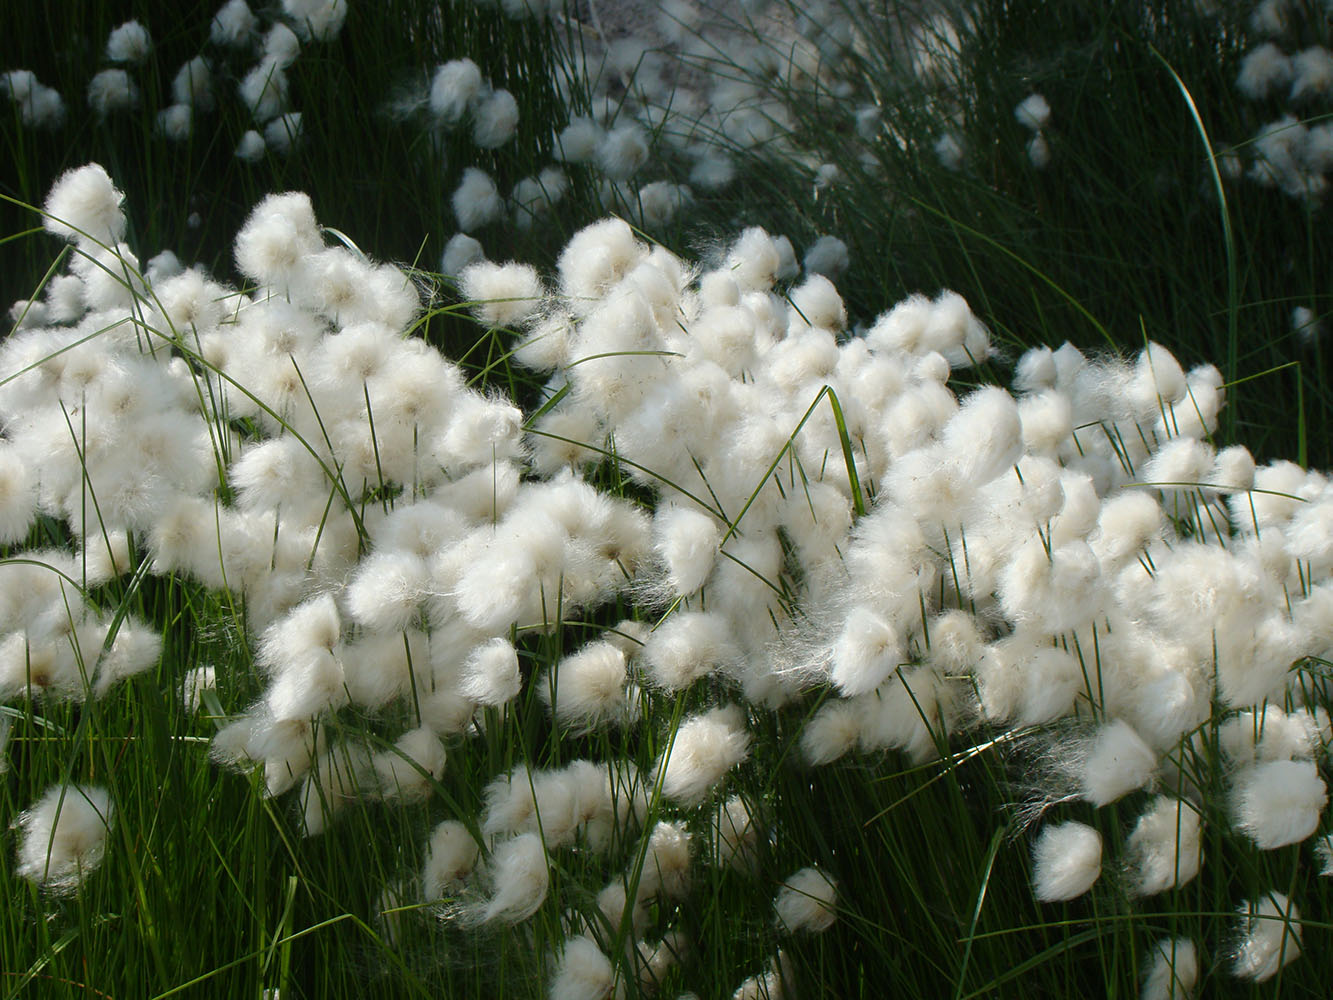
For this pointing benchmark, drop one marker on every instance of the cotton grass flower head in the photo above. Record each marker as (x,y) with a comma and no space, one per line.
(1066,861)
(476,201)
(62,837)
(1276,803)
(806,902)
(521,876)
(495,119)
(1174,970)
(85,204)
(1269,937)
(704,749)
(501,294)
(584,973)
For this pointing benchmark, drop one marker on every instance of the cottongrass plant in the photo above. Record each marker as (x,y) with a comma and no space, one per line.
(608,647)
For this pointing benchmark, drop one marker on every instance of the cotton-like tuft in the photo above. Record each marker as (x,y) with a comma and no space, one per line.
(1263,69)
(521,877)
(1118,762)
(806,902)
(1164,847)
(1033,112)
(687,541)
(579,140)
(1066,861)
(461,251)
(1269,937)
(501,294)
(495,119)
(583,972)
(279,234)
(85,204)
(454,88)
(490,674)
(622,151)
(704,749)
(476,201)
(264,91)
(1173,972)
(687,646)
(589,687)
(1278,802)
(866,652)
(62,837)
(232,25)
(251,148)
(451,854)
(321,20)
(129,43)
(827,256)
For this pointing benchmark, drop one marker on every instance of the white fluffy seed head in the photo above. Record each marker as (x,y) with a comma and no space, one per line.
(583,972)
(686,540)
(451,855)
(1118,762)
(1276,803)
(1174,970)
(1033,112)
(476,201)
(1066,861)
(279,235)
(454,88)
(1269,937)
(521,875)
(62,837)
(1164,846)
(687,646)
(85,204)
(129,43)
(490,674)
(705,748)
(806,902)
(495,119)
(501,294)
(866,652)
(589,687)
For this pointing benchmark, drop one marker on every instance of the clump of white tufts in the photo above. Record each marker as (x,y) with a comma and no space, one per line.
(461,251)
(687,542)
(865,653)
(1278,802)
(1118,762)
(501,294)
(521,877)
(622,151)
(704,749)
(806,902)
(589,688)
(490,674)
(827,256)
(1164,846)
(583,972)
(1033,112)
(129,43)
(687,646)
(232,25)
(279,234)
(476,201)
(1174,971)
(1066,861)
(451,855)
(62,836)
(84,204)
(454,88)
(495,119)
(1269,937)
